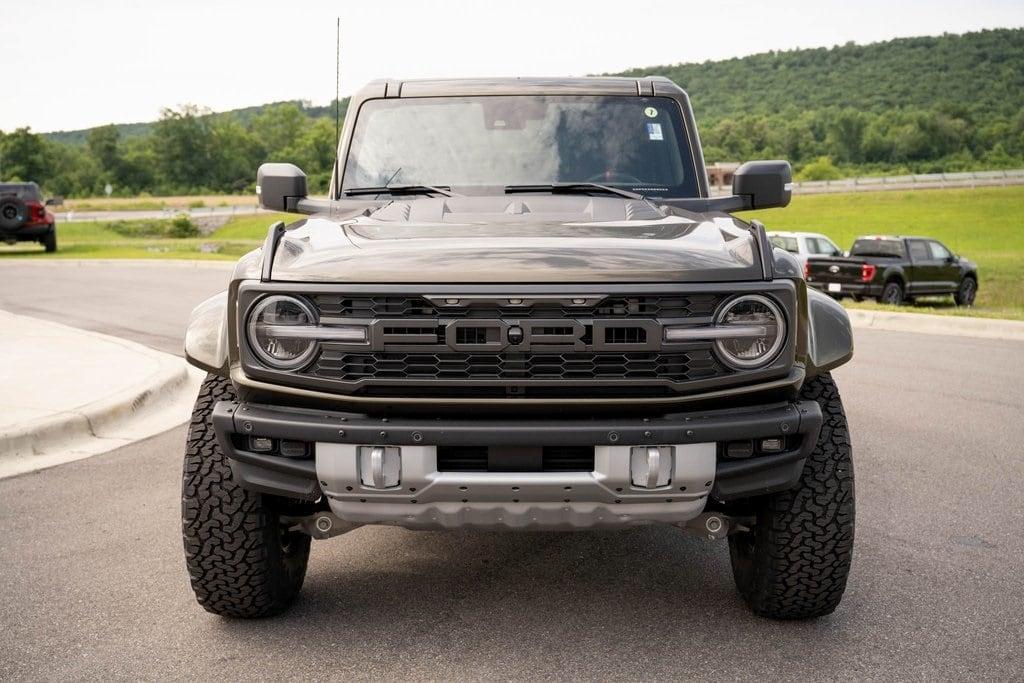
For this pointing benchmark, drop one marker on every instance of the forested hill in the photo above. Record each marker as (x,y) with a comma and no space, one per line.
(977,73)
(243,116)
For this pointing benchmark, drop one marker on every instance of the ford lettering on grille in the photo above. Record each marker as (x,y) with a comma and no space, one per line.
(530,334)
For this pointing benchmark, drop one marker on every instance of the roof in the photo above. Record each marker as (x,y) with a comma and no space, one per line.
(591,85)
(787,233)
(893,237)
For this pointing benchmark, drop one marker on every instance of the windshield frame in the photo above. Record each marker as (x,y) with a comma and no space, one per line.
(686,138)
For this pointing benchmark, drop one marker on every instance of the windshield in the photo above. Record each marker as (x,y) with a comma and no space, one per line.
(787,243)
(27,192)
(877,247)
(635,143)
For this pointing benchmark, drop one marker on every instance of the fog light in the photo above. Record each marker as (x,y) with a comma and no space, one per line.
(380,467)
(739,449)
(261,444)
(772,445)
(650,467)
(293,449)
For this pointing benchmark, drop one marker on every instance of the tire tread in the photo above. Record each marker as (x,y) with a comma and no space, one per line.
(232,541)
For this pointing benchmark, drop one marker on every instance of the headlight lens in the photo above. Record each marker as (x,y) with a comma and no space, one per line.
(761,331)
(269,338)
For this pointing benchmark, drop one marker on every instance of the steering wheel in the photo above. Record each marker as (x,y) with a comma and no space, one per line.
(614,177)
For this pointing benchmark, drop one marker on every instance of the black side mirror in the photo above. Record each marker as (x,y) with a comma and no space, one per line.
(54,201)
(768,184)
(279,187)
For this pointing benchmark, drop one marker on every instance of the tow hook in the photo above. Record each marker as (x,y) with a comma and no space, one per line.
(320,525)
(714,525)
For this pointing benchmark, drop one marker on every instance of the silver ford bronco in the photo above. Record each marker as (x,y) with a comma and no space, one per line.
(519,308)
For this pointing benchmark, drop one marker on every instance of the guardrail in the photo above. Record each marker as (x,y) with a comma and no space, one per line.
(919,181)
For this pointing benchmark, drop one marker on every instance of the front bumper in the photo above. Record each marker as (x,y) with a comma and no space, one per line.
(605,496)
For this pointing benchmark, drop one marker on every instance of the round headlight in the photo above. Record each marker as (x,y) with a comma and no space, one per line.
(269,335)
(753,331)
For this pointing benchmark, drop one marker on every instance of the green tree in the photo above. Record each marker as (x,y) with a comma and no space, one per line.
(183,141)
(25,156)
(278,128)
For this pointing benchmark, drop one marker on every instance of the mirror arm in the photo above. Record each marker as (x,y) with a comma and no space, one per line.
(728,204)
(334,208)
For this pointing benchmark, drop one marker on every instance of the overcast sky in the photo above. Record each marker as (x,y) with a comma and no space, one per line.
(81,63)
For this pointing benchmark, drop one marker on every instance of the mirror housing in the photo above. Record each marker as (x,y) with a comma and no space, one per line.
(766,184)
(279,187)
(54,201)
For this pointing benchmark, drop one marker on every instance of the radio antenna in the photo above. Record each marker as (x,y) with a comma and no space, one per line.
(337,105)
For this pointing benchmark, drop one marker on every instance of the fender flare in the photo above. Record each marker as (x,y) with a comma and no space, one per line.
(206,337)
(830,335)
(895,273)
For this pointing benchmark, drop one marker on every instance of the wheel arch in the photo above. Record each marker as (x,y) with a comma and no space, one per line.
(895,274)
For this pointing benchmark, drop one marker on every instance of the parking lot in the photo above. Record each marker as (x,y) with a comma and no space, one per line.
(94,585)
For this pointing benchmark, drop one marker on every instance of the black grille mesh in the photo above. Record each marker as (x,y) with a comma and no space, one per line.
(676,367)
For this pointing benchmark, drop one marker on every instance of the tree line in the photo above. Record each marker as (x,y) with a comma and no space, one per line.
(188,150)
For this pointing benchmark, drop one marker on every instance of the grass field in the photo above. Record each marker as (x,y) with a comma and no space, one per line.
(985,224)
(154,203)
(112,240)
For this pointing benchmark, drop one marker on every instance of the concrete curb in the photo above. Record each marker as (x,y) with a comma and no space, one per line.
(156,402)
(949,325)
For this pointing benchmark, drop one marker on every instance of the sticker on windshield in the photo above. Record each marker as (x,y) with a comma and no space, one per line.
(651,112)
(654,131)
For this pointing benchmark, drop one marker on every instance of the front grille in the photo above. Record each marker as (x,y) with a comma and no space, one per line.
(676,367)
(502,343)
(652,306)
(498,459)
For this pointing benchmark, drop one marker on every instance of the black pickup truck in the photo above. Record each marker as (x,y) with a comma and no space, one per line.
(894,270)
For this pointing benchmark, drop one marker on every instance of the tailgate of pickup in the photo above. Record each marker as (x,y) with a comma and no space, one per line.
(834,270)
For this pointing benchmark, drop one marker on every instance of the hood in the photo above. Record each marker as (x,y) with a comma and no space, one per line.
(536,239)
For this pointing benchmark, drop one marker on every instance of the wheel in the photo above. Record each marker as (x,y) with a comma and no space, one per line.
(242,561)
(794,562)
(13,213)
(966,292)
(892,294)
(50,241)
(858,298)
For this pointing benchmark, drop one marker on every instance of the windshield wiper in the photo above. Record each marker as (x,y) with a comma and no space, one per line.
(573,188)
(400,189)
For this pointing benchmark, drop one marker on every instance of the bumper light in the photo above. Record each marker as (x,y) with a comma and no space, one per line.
(260,444)
(293,449)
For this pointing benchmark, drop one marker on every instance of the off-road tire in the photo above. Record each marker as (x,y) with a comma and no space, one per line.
(241,560)
(966,292)
(50,241)
(892,294)
(794,563)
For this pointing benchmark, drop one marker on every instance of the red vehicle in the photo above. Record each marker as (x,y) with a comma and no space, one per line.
(24,216)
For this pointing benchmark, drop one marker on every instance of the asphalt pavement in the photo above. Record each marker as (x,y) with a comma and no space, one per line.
(93,582)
